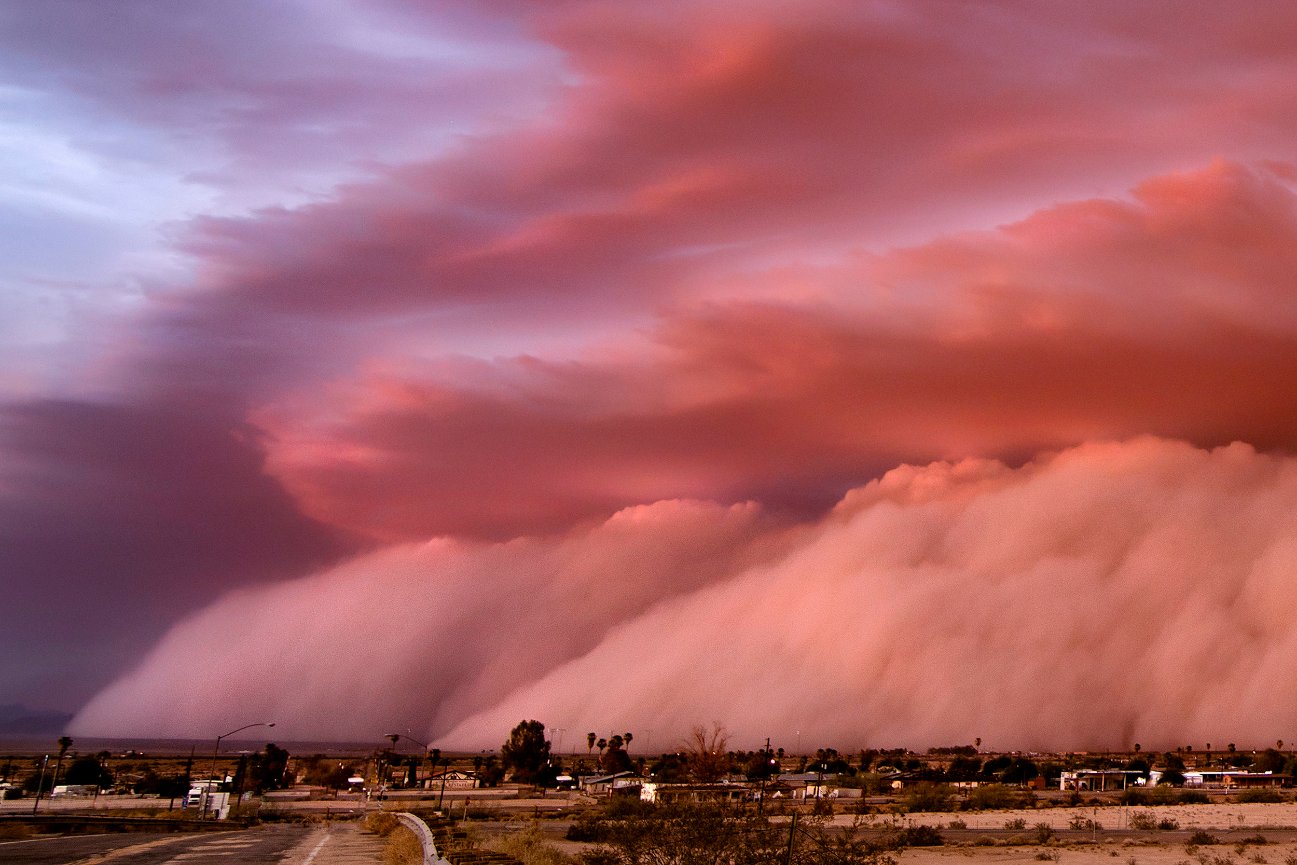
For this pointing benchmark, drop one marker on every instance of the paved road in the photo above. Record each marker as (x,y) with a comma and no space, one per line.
(339,844)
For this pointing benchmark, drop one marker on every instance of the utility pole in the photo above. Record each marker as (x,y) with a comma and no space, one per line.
(40,784)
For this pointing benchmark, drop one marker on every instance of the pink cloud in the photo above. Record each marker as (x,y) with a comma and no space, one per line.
(1166,313)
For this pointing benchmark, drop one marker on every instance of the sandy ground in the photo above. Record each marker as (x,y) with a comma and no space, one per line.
(1235,826)
(1215,816)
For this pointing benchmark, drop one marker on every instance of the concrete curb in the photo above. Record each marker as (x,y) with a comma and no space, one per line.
(424,834)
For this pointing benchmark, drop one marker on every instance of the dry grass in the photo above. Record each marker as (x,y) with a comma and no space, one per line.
(402,848)
(529,847)
(381,823)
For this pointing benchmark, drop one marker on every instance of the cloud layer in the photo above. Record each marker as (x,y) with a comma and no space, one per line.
(494,291)
(1108,594)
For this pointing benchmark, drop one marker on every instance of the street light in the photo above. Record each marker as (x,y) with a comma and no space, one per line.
(207,798)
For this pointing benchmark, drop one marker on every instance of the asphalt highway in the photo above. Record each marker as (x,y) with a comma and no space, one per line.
(264,845)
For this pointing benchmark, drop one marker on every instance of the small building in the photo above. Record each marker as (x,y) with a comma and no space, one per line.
(652,791)
(1100,779)
(607,785)
(1230,779)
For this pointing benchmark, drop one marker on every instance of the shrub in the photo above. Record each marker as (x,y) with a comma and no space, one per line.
(381,823)
(1017,824)
(995,797)
(1082,823)
(402,847)
(1044,833)
(1168,824)
(957,824)
(920,836)
(1143,821)
(1259,794)
(530,848)
(926,797)
(587,828)
(1201,838)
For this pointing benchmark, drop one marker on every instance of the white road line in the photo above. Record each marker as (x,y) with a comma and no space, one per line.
(311,856)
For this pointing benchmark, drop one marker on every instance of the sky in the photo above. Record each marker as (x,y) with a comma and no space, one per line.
(856,374)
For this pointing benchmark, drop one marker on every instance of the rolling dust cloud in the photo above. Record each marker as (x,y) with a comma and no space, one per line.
(1111,593)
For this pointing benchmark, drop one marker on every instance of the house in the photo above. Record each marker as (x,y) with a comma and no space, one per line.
(811,785)
(652,791)
(619,783)
(1100,779)
(1231,779)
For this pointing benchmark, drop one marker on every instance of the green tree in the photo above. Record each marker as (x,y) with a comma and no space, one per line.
(1020,771)
(526,751)
(615,759)
(88,770)
(267,769)
(589,742)
(1269,760)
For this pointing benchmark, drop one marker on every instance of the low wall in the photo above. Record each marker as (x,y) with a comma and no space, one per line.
(424,834)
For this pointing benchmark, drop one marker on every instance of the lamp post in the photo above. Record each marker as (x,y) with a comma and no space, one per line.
(215,751)
(445,767)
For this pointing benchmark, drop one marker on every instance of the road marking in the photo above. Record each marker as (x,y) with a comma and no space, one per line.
(122,852)
(311,856)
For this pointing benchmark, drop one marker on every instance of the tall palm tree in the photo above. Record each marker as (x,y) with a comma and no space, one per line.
(626,737)
(589,742)
(65,742)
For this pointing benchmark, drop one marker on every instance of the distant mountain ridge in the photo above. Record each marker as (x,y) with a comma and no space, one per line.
(17,719)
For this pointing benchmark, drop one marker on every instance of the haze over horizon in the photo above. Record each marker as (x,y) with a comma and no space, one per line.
(895,373)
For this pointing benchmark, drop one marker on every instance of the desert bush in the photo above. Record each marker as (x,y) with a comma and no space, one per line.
(588,827)
(1017,824)
(998,797)
(381,823)
(713,833)
(1163,795)
(1044,833)
(402,847)
(1259,794)
(957,824)
(1080,822)
(1048,856)
(926,797)
(920,836)
(623,807)
(530,848)
(1201,838)
(15,832)
(1254,839)
(1168,824)
(1214,859)
(1143,821)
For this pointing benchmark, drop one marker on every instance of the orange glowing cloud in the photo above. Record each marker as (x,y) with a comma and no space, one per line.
(1166,313)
